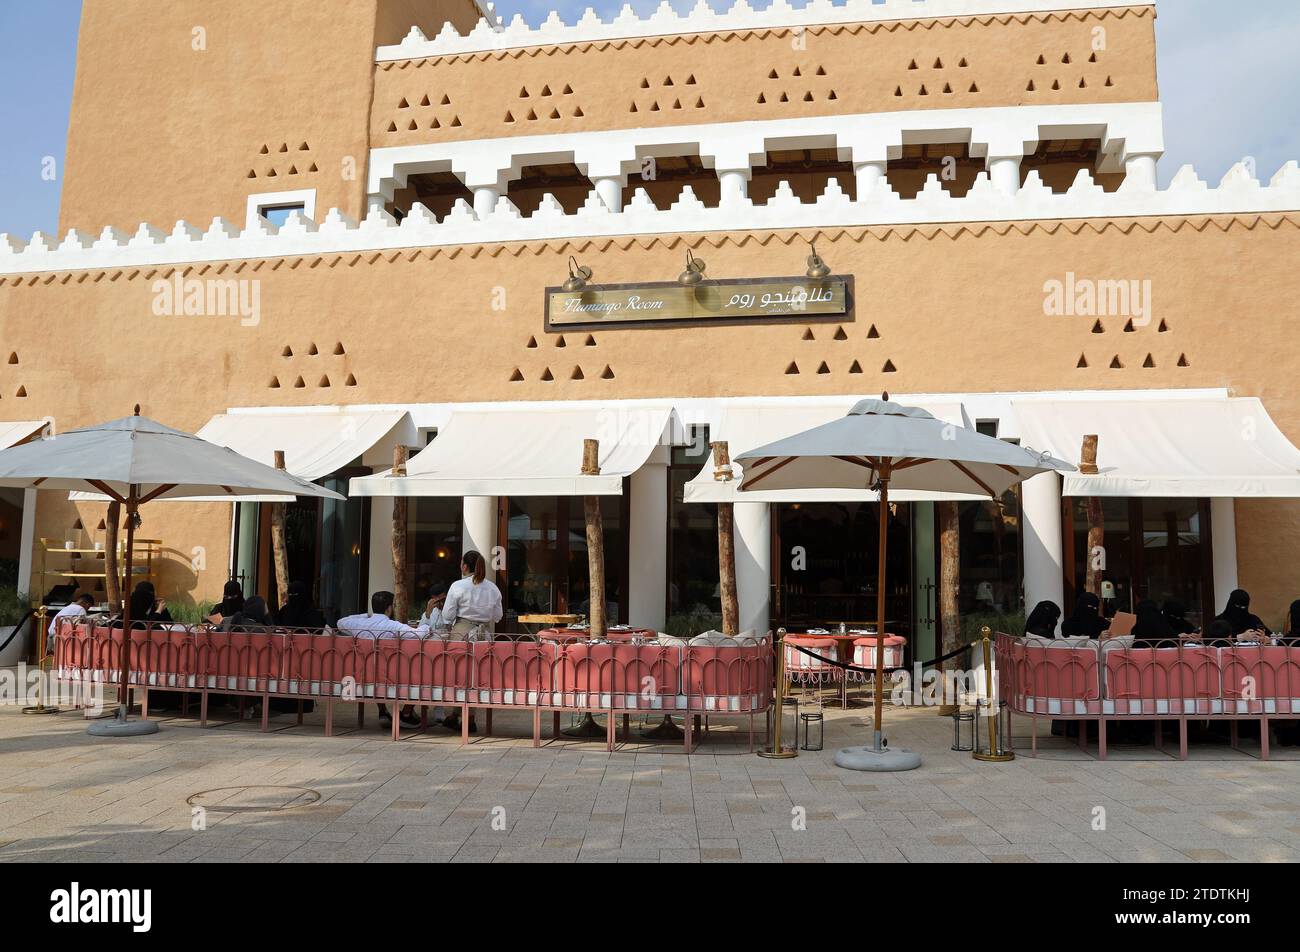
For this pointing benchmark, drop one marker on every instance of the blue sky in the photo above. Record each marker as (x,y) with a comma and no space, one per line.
(1228,69)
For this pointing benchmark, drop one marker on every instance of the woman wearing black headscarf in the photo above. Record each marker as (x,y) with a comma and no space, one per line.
(146,607)
(232,601)
(1176,618)
(1041,622)
(1086,622)
(1238,616)
(1292,634)
(1152,630)
(298,611)
(252,617)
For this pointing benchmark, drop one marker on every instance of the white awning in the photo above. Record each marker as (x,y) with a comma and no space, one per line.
(316,441)
(532,451)
(748,426)
(1211,447)
(11,434)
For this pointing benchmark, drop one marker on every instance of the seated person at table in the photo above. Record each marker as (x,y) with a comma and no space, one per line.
(232,600)
(1217,634)
(1152,630)
(74,612)
(432,616)
(379,623)
(298,610)
(253,617)
(1292,633)
(146,608)
(1086,622)
(1041,622)
(1176,617)
(1237,614)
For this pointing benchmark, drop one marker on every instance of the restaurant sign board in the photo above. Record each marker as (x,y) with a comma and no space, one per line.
(748,300)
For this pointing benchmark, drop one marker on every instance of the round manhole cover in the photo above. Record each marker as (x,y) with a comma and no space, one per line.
(253,799)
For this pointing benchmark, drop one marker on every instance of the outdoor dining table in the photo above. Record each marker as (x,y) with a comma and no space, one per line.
(617,633)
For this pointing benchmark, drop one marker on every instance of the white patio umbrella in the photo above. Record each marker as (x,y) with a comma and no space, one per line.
(134,461)
(878,445)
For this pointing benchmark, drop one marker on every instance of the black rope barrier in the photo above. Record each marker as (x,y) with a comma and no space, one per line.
(852,667)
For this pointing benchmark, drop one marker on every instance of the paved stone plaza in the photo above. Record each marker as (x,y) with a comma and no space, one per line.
(67,797)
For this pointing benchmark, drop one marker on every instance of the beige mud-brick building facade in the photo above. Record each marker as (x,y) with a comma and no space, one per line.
(382,197)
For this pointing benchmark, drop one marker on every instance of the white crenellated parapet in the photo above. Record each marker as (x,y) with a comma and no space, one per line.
(1187,195)
(999,135)
(487,36)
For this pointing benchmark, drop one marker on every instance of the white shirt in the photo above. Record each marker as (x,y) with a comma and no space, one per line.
(481,602)
(371,626)
(67,611)
(432,619)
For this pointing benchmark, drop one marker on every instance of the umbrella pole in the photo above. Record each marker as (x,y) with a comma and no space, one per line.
(877,756)
(120,726)
(880,605)
(132,507)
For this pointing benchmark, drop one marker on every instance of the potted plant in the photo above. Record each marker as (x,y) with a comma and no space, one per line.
(13,608)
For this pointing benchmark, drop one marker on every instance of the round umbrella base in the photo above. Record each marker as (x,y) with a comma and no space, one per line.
(785,753)
(885,760)
(121,727)
(40,709)
(665,730)
(586,728)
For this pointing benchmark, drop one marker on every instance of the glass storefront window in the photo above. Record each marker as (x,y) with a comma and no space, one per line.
(532,555)
(1115,559)
(433,545)
(828,564)
(345,536)
(546,560)
(990,556)
(579,599)
(1173,553)
(694,602)
(1153,548)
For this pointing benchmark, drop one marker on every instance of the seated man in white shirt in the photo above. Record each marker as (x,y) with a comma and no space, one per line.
(380,623)
(77,610)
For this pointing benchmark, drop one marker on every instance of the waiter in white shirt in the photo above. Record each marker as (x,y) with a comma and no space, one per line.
(78,609)
(472,600)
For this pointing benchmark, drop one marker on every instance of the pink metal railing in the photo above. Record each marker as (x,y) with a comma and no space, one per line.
(612,678)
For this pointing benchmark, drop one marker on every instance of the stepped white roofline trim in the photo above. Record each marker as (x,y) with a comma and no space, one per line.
(495,35)
(1239,193)
(992,131)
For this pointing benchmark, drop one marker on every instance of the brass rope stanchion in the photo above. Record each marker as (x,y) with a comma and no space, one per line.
(39,707)
(778,751)
(995,753)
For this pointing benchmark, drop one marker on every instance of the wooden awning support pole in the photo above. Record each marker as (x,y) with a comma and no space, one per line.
(1096,551)
(595,544)
(949,587)
(726,544)
(279,549)
(401,592)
